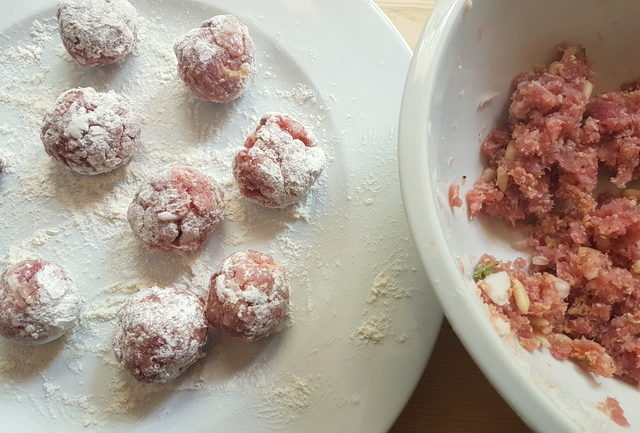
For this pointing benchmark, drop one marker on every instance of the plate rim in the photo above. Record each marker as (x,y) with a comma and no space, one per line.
(429,285)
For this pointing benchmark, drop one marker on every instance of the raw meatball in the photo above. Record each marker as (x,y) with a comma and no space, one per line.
(176,209)
(97,32)
(249,295)
(216,59)
(280,162)
(38,302)
(91,132)
(159,333)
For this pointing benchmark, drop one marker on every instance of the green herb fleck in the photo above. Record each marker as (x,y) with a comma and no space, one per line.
(482,271)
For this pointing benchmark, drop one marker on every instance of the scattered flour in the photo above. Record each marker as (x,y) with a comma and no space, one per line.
(288,401)
(300,94)
(385,283)
(374,329)
(386,286)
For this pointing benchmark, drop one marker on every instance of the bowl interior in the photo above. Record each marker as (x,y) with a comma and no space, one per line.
(460,82)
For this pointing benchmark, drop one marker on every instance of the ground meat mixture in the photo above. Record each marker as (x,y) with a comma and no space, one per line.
(454,196)
(216,60)
(249,295)
(579,294)
(612,407)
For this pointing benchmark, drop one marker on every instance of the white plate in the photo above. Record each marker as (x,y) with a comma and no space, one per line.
(339,67)
(457,89)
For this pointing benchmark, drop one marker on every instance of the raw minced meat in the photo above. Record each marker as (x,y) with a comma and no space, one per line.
(38,302)
(454,195)
(612,407)
(613,126)
(580,293)
(539,157)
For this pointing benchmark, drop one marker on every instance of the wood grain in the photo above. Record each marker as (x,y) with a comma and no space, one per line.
(408,16)
(453,396)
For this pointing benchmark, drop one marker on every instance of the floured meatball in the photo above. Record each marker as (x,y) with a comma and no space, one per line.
(280,162)
(159,333)
(216,59)
(91,132)
(176,209)
(97,32)
(249,295)
(38,302)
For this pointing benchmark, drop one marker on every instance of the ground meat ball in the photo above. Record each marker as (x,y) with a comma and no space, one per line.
(216,59)
(279,164)
(91,132)
(249,295)
(159,333)
(176,209)
(38,302)
(97,32)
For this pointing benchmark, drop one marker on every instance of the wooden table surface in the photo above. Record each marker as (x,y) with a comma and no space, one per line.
(453,396)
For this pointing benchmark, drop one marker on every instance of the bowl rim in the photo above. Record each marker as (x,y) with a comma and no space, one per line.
(420,201)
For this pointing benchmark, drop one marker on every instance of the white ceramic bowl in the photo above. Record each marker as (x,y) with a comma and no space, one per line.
(457,89)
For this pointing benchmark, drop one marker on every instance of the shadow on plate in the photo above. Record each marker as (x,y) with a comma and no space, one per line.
(81,191)
(180,118)
(100,78)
